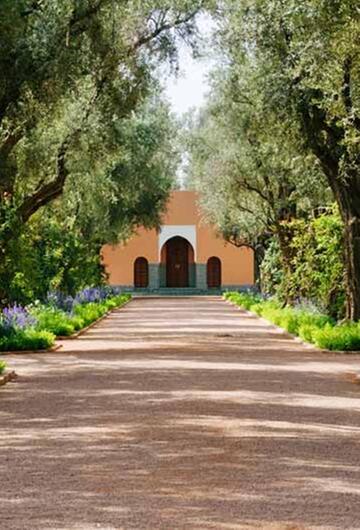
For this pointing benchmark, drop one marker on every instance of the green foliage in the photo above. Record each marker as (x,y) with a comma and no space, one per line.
(292,319)
(251,170)
(311,327)
(271,270)
(90,312)
(304,57)
(56,321)
(2,367)
(318,263)
(65,324)
(81,118)
(51,254)
(245,300)
(339,338)
(29,339)
(59,248)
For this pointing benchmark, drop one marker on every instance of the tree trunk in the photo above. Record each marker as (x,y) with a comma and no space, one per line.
(348,198)
(259,254)
(352,242)
(285,234)
(7,236)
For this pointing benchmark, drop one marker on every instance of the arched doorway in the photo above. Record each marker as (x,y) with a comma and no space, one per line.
(178,254)
(141,273)
(214,273)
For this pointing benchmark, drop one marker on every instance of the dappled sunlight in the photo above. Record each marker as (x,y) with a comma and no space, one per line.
(245,428)
(178,428)
(335,486)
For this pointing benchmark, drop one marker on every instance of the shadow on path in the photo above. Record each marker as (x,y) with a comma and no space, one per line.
(181,414)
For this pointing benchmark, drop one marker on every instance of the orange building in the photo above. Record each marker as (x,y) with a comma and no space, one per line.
(186,253)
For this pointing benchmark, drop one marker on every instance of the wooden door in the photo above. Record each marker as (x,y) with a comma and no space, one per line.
(177,263)
(141,273)
(214,273)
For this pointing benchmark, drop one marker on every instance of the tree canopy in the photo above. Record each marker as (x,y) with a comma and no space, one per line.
(79,114)
(87,141)
(289,89)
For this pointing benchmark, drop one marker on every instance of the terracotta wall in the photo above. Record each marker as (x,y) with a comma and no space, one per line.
(182,209)
(237,264)
(119,260)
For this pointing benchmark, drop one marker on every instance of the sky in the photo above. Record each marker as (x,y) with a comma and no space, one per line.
(188,90)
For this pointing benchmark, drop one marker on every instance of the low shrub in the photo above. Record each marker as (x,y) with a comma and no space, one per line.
(77,322)
(36,328)
(269,309)
(2,367)
(54,320)
(292,319)
(307,333)
(245,300)
(312,327)
(338,338)
(28,339)
(62,323)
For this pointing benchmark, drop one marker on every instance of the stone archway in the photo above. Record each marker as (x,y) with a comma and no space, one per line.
(178,256)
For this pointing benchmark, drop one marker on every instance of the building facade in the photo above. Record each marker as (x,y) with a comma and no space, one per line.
(185,254)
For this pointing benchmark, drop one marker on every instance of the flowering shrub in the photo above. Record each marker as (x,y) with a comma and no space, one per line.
(58,300)
(36,327)
(14,319)
(89,295)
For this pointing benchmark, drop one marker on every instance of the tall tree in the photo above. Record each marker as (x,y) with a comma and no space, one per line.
(60,247)
(69,70)
(252,172)
(307,55)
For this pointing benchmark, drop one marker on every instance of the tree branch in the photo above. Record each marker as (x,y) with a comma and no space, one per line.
(46,193)
(35,6)
(249,187)
(146,38)
(346,89)
(347,93)
(9,143)
(79,23)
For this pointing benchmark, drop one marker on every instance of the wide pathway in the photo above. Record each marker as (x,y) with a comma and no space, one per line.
(181,414)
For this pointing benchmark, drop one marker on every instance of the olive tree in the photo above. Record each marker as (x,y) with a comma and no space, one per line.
(307,57)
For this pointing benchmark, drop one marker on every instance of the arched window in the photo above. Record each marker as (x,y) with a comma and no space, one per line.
(141,273)
(213,273)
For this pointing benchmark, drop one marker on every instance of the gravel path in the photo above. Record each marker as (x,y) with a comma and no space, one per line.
(181,414)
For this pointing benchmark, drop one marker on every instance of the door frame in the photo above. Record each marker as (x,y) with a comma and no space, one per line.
(181,278)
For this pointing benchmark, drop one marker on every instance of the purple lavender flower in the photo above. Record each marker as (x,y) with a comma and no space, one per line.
(16,318)
(61,301)
(92,294)
(89,295)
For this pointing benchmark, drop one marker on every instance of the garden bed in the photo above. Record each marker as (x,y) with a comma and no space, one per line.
(35,328)
(52,349)
(310,326)
(87,328)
